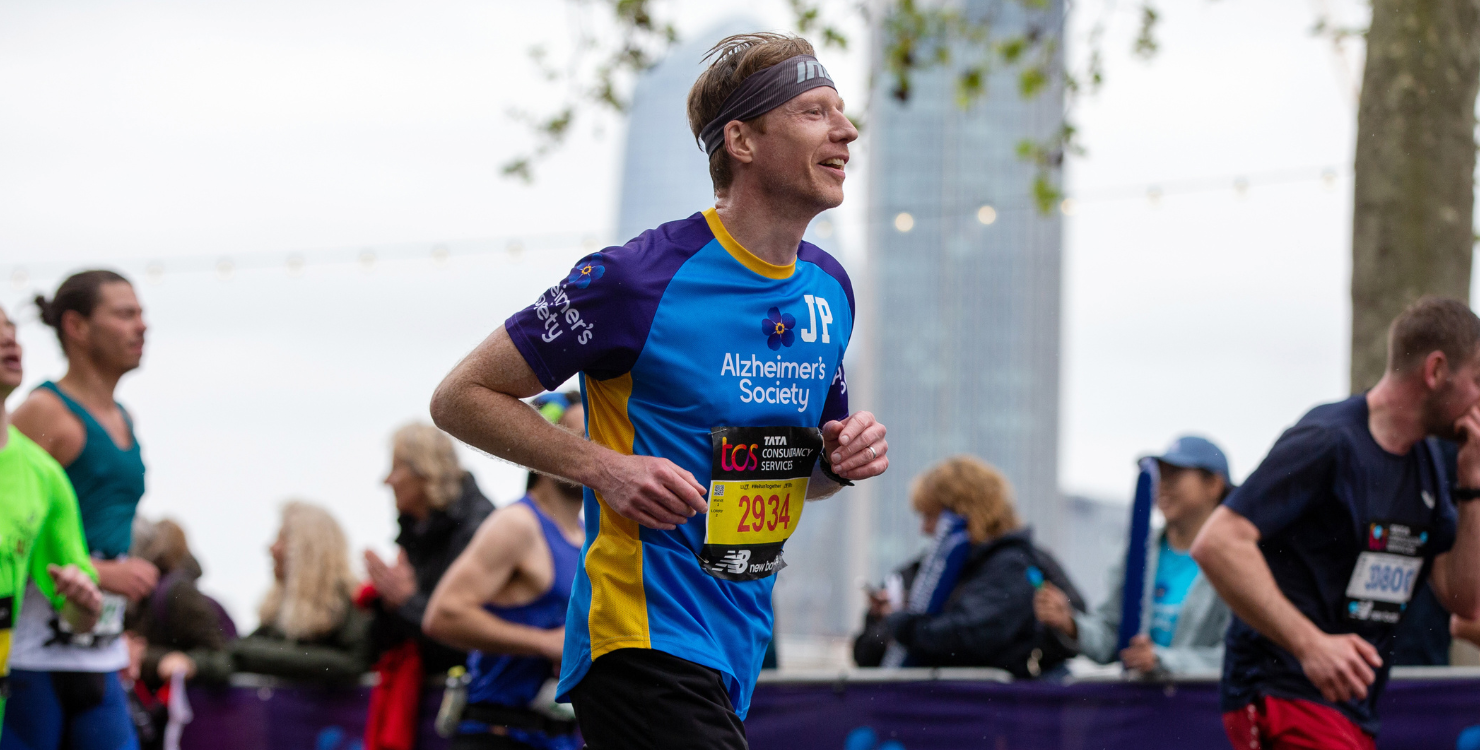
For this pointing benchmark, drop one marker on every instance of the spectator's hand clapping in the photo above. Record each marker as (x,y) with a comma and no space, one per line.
(395,584)
(1140,656)
(1051,607)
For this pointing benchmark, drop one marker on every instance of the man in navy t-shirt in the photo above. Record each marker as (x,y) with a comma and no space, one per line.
(1321,549)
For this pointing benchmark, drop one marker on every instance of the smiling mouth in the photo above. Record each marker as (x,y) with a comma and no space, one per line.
(835,163)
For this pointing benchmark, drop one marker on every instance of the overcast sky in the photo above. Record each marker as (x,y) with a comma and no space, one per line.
(164,138)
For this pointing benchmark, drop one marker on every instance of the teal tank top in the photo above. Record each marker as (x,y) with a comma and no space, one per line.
(109,481)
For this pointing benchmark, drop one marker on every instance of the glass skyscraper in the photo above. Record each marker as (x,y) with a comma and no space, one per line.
(964,303)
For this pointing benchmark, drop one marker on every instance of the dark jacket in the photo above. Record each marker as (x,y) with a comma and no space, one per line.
(339,657)
(178,617)
(988,620)
(431,545)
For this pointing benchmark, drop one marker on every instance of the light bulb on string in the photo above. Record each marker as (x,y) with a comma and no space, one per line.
(514,248)
(154,271)
(367,260)
(986,215)
(1241,187)
(295,264)
(1328,178)
(440,254)
(1068,206)
(1153,196)
(224,269)
(904,222)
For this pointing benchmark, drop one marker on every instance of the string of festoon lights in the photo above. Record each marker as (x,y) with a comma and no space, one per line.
(297,262)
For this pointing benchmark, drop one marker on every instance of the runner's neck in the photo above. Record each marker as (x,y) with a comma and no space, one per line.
(565,513)
(1395,414)
(90,386)
(764,225)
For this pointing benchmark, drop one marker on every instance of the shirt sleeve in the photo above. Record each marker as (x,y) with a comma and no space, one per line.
(60,540)
(1294,475)
(836,405)
(595,320)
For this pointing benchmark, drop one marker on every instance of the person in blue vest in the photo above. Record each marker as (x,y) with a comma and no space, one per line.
(505,600)
(1182,617)
(65,689)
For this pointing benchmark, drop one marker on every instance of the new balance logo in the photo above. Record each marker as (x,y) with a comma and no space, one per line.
(735,561)
(809,69)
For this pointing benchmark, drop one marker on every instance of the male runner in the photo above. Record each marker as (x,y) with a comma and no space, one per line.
(504,599)
(709,350)
(65,687)
(40,535)
(1320,550)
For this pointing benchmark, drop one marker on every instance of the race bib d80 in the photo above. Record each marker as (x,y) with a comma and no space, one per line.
(757,489)
(1385,576)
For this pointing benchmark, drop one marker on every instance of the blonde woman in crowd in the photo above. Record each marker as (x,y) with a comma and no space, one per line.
(970,603)
(310,628)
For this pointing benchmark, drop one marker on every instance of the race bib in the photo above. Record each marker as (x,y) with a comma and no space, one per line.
(757,489)
(109,627)
(7,621)
(1385,576)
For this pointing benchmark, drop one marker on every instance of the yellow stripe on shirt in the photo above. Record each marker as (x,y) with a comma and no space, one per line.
(618,616)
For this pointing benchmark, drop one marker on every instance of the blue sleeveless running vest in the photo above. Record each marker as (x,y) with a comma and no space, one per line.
(505,680)
(109,481)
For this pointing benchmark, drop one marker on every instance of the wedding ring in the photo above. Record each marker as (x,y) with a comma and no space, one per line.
(871,454)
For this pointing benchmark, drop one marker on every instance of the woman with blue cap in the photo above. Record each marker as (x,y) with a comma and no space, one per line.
(1184,618)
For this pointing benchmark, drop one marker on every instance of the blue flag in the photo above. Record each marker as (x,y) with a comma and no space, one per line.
(1133,598)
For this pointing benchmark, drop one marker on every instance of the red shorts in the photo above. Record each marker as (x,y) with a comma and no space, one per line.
(1283,724)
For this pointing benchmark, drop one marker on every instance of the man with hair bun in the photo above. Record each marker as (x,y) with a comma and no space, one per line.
(65,684)
(1321,549)
(710,356)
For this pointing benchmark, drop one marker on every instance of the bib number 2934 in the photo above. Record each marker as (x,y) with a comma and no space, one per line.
(758,487)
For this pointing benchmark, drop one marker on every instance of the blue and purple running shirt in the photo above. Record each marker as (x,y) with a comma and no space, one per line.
(680,331)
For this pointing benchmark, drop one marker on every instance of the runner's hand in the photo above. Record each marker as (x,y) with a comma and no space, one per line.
(652,491)
(553,645)
(1051,607)
(1468,426)
(77,588)
(855,446)
(130,577)
(1340,666)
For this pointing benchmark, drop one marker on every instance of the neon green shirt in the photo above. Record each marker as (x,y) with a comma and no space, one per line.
(39,526)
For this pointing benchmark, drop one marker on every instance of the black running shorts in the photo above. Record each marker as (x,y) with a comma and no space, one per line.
(640,698)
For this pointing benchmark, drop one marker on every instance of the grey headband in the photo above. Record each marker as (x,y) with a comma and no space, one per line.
(763,91)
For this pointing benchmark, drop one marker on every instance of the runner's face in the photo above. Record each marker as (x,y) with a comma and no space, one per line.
(1459,394)
(114,334)
(804,148)
(1186,493)
(10,358)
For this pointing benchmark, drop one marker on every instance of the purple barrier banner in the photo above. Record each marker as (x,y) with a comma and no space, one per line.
(868,715)
(948,714)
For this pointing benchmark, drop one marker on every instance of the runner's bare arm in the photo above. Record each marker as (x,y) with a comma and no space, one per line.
(1456,574)
(43,418)
(455,613)
(478,403)
(1227,551)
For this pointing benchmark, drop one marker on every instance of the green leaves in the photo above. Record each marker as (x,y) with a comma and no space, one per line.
(598,75)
